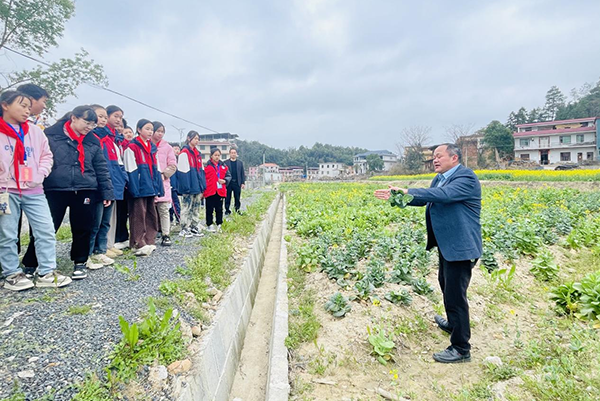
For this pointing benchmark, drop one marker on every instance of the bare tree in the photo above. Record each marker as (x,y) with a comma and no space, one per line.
(455,131)
(413,140)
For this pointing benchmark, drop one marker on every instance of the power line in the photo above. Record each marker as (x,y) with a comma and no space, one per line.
(117,93)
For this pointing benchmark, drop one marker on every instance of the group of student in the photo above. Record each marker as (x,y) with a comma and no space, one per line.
(122,186)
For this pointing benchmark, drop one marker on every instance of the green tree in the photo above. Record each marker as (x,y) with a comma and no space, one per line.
(587,105)
(554,101)
(32,27)
(374,162)
(498,137)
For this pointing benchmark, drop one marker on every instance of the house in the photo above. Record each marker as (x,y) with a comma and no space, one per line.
(268,172)
(471,146)
(331,170)
(312,173)
(360,160)
(564,141)
(222,140)
(293,173)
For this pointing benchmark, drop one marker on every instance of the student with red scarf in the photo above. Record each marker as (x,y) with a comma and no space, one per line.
(25,160)
(145,184)
(79,176)
(168,164)
(218,177)
(191,184)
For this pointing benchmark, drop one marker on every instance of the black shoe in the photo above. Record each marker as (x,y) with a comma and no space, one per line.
(239,212)
(227,212)
(443,324)
(451,355)
(79,272)
(166,241)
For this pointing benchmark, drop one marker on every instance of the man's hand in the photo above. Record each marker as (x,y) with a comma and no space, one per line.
(221,181)
(385,194)
(107,203)
(243,186)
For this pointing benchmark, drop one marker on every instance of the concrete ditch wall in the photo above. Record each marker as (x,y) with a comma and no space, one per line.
(214,366)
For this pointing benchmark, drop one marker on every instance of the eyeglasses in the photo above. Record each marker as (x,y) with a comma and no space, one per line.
(91,124)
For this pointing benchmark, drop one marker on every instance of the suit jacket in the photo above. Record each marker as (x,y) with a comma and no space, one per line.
(241,176)
(453,215)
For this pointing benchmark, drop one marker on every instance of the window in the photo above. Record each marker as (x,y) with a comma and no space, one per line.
(524,143)
(202,147)
(590,155)
(525,156)
(565,156)
(580,138)
(565,139)
(528,129)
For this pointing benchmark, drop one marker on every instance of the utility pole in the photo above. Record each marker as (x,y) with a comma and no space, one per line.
(181,130)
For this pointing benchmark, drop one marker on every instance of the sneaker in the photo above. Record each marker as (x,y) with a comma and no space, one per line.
(166,241)
(152,248)
(196,232)
(211,229)
(218,229)
(227,212)
(122,245)
(102,259)
(79,272)
(185,234)
(116,251)
(18,282)
(111,254)
(54,280)
(93,265)
(146,250)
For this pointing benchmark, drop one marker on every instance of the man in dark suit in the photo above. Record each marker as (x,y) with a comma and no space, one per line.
(453,206)
(237,183)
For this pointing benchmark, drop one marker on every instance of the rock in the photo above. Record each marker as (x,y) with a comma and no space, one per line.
(212,291)
(15,315)
(494,360)
(6,332)
(218,296)
(26,374)
(205,305)
(185,328)
(178,367)
(33,359)
(158,374)
(500,388)
(196,331)
(10,358)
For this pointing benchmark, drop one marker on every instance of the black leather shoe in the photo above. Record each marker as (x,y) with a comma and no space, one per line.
(451,355)
(443,324)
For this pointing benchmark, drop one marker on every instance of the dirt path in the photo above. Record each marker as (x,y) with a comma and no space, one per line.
(251,378)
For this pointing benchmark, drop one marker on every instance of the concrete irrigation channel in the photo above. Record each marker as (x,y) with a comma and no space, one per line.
(243,357)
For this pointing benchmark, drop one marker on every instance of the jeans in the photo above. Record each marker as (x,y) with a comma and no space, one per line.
(37,212)
(99,234)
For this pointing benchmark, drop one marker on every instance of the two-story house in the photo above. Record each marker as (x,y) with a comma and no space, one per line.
(360,160)
(563,141)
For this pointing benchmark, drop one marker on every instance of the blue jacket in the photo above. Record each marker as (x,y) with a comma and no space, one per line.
(118,176)
(190,173)
(453,212)
(142,168)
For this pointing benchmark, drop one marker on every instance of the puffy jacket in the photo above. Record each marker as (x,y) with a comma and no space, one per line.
(112,153)
(168,163)
(190,174)
(144,180)
(66,173)
(213,173)
(39,158)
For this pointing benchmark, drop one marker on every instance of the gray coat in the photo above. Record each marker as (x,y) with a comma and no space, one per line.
(453,212)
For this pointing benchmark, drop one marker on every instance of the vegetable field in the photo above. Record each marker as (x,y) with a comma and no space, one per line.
(511,175)
(363,292)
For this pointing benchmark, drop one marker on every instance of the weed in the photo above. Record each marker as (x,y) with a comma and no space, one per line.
(79,310)
(382,345)
(131,273)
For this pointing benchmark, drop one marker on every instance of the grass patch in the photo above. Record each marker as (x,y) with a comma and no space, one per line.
(64,233)
(79,310)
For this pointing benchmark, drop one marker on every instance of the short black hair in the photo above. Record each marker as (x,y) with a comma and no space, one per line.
(452,150)
(9,97)
(113,109)
(33,91)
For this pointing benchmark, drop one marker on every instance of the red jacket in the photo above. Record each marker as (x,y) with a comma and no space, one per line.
(214,172)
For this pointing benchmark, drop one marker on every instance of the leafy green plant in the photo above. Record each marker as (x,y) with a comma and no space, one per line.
(566,297)
(421,286)
(399,199)
(131,274)
(364,288)
(79,310)
(399,297)
(504,277)
(543,266)
(589,306)
(338,305)
(382,345)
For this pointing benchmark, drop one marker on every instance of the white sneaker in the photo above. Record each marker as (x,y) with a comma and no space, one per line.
(18,282)
(146,250)
(122,245)
(103,259)
(115,251)
(153,247)
(185,234)
(53,280)
(93,265)
(211,229)
(196,232)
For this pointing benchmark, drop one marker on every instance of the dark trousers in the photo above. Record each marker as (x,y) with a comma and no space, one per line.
(236,190)
(81,206)
(143,222)
(175,211)
(214,204)
(454,278)
(121,233)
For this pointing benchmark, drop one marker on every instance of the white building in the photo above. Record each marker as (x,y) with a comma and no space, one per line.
(292,173)
(558,141)
(331,170)
(312,173)
(360,160)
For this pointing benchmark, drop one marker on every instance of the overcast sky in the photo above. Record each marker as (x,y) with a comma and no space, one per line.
(355,73)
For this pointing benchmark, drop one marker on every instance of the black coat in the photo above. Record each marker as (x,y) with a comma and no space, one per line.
(241,176)
(66,171)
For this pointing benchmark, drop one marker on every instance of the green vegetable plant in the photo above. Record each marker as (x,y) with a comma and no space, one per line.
(543,267)
(566,297)
(421,286)
(338,305)
(382,345)
(589,305)
(400,199)
(402,297)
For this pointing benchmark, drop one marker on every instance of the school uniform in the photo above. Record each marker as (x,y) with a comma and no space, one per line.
(215,192)
(191,183)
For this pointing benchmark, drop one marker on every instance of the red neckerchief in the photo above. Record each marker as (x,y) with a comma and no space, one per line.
(148,149)
(112,130)
(19,152)
(79,139)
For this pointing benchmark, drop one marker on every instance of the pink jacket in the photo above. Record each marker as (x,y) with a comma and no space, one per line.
(39,158)
(166,157)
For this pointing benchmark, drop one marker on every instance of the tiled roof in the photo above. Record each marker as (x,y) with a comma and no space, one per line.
(559,122)
(555,131)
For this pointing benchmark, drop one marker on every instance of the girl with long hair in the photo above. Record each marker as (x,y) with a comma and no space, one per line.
(168,164)
(218,177)
(191,184)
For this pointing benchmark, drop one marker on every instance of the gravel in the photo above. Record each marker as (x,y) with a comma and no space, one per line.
(37,324)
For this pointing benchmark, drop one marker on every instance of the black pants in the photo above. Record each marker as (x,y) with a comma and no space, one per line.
(235,189)
(454,278)
(175,211)
(214,203)
(81,215)
(121,232)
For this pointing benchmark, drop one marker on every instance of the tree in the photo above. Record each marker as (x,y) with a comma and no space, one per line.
(554,101)
(456,132)
(374,162)
(587,106)
(514,119)
(32,27)
(413,142)
(499,138)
